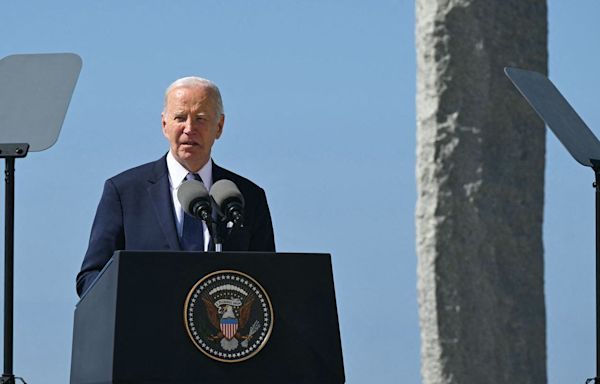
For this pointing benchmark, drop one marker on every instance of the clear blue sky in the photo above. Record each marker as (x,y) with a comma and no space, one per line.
(319,98)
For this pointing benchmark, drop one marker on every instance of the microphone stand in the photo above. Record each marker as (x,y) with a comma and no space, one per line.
(214,235)
(213,229)
(9,152)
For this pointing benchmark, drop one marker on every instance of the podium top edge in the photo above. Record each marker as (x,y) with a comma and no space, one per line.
(119,252)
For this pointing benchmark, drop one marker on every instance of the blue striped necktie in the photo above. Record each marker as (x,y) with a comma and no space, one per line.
(192,235)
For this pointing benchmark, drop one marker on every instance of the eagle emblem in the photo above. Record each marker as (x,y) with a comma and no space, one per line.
(224,317)
(228,316)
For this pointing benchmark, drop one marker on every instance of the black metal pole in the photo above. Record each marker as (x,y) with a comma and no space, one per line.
(9,152)
(596,167)
(597,186)
(9,211)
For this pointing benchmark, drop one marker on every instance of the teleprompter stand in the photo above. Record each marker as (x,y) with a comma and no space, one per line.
(45,81)
(577,138)
(9,152)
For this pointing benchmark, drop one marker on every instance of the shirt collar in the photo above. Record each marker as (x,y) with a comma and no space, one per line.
(177,172)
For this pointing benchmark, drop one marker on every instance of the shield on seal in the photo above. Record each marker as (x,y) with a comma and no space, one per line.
(229,327)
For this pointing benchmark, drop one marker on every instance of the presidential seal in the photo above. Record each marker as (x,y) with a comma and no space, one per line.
(228,315)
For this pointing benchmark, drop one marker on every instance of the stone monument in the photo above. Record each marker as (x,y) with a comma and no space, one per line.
(480,178)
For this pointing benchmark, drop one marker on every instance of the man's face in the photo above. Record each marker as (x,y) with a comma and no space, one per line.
(191,123)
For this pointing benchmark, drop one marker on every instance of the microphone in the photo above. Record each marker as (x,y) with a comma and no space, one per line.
(194,200)
(228,200)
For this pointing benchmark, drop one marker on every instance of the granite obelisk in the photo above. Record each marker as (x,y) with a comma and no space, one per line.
(480,178)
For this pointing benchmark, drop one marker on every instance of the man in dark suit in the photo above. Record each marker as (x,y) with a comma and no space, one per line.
(139,209)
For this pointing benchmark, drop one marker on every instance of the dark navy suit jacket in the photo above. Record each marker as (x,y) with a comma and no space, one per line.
(136,213)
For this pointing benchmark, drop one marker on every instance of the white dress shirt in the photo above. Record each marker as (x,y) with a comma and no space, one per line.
(177,174)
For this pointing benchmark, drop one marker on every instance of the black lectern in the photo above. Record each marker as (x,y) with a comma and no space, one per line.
(134,324)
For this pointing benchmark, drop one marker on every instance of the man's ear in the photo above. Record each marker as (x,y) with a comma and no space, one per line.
(220,125)
(163,123)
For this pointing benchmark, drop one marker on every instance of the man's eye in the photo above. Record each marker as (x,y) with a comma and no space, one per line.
(200,118)
(180,119)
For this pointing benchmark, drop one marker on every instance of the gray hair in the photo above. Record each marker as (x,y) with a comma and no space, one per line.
(194,81)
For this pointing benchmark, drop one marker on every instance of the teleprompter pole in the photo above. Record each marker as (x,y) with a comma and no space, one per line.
(596,168)
(596,380)
(9,152)
(9,218)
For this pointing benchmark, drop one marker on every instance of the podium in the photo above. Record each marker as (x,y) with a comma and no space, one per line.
(135,323)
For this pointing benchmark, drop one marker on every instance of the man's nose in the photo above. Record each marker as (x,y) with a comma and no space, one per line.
(189,125)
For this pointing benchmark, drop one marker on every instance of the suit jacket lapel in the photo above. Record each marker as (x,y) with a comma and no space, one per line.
(160,194)
(217,172)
